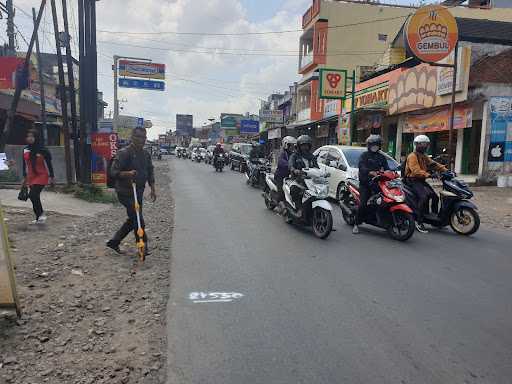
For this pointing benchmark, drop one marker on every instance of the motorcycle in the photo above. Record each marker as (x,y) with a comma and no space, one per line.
(315,210)
(218,162)
(455,208)
(255,173)
(387,208)
(271,192)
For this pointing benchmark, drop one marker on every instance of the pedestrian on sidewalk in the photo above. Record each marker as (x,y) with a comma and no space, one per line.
(37,172)
(132,164)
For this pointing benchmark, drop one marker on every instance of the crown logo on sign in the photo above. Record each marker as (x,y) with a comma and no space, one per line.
(433,30)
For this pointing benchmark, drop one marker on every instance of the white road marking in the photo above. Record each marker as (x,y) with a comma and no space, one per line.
(214,297)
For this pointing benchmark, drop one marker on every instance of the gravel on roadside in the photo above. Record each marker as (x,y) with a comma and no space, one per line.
(89,315)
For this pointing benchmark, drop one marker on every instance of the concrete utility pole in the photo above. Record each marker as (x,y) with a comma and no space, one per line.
(10,26)
(63,96)
(41,81)
(71,87)
(11,113)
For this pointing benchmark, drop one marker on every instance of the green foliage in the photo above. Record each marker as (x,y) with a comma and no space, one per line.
(8,176)
(91,193)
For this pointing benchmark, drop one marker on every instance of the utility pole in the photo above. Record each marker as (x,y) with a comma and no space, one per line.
(9,121)
(41,81)
(63,96)
(85,175)
(71,87)
(10,26)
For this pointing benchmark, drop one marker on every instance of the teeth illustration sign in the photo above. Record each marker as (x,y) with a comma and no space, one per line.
(141,69)
(431,33)
(333,83)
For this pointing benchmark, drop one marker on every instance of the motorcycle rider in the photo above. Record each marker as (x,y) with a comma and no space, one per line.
(218,150)
(417,169)
(302,158)
(371,163)
(255,154)
(283,168)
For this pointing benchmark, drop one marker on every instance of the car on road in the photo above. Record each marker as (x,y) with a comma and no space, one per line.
(342,163)
(239,156)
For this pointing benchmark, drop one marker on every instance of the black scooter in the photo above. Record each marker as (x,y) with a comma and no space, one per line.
(256,171)
(455,208)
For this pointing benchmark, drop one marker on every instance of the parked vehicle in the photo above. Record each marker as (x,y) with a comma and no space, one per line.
(342,162)
(455,209)
(255,172)
(164,151)
(219,162)
(270,192)
(315,210)
(181,152)
(239,156)
(196,155)
(386,209)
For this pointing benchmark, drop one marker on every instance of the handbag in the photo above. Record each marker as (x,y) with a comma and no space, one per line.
(23,195)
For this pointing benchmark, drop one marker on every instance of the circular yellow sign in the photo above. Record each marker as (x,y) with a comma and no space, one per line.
(431,33)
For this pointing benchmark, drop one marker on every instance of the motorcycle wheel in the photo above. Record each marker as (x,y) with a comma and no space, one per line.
(232,166)
(268,201)
(465,221)
(405,226)
(287,217)
(322,223)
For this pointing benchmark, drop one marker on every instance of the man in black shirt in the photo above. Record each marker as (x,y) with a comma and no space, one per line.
(370,163)
(132,164)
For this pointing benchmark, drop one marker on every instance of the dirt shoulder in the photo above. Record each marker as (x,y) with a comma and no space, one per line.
(89,316)
(494,206)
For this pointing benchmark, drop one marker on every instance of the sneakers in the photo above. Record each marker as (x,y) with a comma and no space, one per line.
(420,227)
(115,247)
(355,230)
(42,219)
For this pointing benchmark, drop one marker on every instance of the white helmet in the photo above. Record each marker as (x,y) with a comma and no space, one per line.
(289,140)
(421,139)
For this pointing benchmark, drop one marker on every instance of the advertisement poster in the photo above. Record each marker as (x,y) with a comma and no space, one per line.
(230,124)
(141,69)
(184,124)
(104,147)
(249,127)
(500,145)
(439,121)
(8,67)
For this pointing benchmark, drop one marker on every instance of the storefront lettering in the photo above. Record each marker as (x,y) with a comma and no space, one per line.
(377,97)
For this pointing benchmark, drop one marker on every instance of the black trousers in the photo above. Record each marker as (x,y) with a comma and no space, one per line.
(131,222)
(365,192)
(424,194)
(35,197)
(279,185)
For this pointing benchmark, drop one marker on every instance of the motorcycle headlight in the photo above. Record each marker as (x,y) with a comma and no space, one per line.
(399,198)
(322,190)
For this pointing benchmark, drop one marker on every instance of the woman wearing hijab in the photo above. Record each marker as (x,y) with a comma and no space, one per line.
(37,172)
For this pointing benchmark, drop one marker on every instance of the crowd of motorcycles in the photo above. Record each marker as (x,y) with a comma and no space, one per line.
(393,208)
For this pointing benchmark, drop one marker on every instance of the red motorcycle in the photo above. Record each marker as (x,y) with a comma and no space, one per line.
(386,209)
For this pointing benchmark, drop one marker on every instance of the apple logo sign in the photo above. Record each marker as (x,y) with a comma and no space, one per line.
(497,151)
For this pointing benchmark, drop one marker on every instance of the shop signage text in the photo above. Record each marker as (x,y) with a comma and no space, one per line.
(374,98)
(333,83)
(141,69)
(271,116)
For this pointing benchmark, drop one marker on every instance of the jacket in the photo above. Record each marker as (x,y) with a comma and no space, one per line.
(283,167)
(43,167)
(218,151)
(128,159)
(371,162)
(299,160)
(418,164)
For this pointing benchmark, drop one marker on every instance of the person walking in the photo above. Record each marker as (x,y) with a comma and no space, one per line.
(37,172)
(132,164)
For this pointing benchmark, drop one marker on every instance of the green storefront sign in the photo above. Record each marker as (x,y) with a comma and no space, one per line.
(230,124)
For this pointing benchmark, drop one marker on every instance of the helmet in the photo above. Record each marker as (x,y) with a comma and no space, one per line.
(289,140)
(374,140)
(421,139)
(304,139)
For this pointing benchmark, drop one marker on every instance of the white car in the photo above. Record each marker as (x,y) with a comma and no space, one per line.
(341,162)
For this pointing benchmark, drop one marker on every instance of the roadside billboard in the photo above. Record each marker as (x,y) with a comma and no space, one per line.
(249,127)
(500,140)
(104,147)
(271,116)
(230,123)
(184,125)
(141,69)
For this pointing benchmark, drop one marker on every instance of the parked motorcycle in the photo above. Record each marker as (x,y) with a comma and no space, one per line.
(315,211)
(271,192)
(218,162)
(455,208)
(255,173)
(386,209)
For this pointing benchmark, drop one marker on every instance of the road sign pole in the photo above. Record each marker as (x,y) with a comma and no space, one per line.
(452,108)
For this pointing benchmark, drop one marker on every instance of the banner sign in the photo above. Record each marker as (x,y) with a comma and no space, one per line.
(142,84)
(248,127)
(500,146)
(8,297)
(104,147)
(333,83)
(431,33)
(141,69)
(439,121)
(376,97)
(274,133)
(271,116)
(184,125)
(9,65)
(230,123)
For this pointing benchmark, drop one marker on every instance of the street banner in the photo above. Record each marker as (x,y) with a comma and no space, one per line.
(8,296)
(439,120)
(184,125)
(431,34)
(142,84)
(9,67)
(145,70)
(104,147)
(271,116)
(333,83)
(248,127)
(500,141)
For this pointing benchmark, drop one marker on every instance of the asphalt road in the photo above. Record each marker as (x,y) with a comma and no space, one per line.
(349,309)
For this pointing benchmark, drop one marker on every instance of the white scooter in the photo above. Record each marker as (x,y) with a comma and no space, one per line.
(315,210)
(270,191)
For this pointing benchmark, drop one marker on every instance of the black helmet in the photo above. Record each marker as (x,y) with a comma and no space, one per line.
(374,140)
(304,139)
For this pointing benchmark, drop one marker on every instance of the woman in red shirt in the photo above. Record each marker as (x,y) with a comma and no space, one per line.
(37,172)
